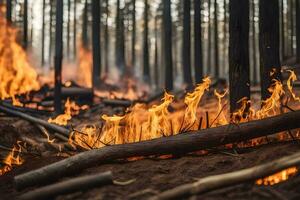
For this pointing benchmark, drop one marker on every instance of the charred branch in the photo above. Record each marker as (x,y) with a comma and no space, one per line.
(178,144)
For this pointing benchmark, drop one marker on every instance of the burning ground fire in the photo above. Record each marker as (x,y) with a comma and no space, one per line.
(13,158)
(17,76)
(278,177)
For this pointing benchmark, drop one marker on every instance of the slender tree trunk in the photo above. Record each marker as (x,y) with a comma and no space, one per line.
(198,42)
(43,33)
(106,42)
(216,37)
(209,65)
(68,28)
(133,35)
(239,77)
(85,25)
(58,55)
(254,58)
(282,31)
(269,44)
(292,26)
(167,40)
(50,32)
(122,41)
(225,47)
(156,72)
(96,42)
(186,50)
(25,24)
(8,11)
(298,31)
(146,70)
(75,29)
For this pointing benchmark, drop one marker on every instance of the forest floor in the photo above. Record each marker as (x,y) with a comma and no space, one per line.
(152,175)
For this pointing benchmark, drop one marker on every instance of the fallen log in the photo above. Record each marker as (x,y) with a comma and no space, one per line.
(69,186)
(25,109)
(210,183)
(117,102)
(35,120)
(178,144)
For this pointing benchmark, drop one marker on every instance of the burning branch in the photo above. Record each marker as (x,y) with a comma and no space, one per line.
(178,144)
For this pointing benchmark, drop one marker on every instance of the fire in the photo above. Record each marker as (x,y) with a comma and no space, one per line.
(289,83)
(17,76)
(71,108)
(13,158)
(278,177)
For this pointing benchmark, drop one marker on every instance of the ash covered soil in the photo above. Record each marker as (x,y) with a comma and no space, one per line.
(155,174)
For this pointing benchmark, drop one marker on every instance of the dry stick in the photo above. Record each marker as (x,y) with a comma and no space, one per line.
(35,120)
(69,186)
(218,115)
(178,144)
(210,183)
(207,119)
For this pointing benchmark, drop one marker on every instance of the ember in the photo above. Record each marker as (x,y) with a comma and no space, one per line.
(278,177)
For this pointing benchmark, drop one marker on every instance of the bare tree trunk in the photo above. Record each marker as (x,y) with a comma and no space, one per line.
(292,26)
(198,42)
(146,69)
(43,33)
(298,31)
(254,58)
(269,44)
(85,25)
(25,25)
(239,77)
(58,56)
(68,27)
(133,35)
(8,11)
(216,36)
(282,31)
(209,65)
(186,49)
(50,31)
(96,42)
(106,41)
(225,45)
(156,72)
(75,29)
(167,44)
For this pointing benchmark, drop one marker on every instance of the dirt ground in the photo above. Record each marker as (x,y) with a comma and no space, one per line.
(155,175)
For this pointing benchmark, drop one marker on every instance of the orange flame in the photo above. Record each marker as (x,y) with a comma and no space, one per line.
(278,177)
(71,108)
(17,76)
(13,158)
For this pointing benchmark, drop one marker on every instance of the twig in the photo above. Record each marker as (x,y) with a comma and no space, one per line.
(218,115)
(207,119)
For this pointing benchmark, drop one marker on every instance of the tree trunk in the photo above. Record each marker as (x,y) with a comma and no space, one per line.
(292,26)
(186,49)
(167,44)
(96,42)
(209,65)
(298,31)
(85,26)
(254,58)
(282,31)
(68,28)
(198,42)
(133,35)
(146,69)
(8,11)
(58,56)
(269,44)
(239,78)
(43,33)
(156,72)
(50,31)
(75,29)
(25,25)
(216,37)
(106,41)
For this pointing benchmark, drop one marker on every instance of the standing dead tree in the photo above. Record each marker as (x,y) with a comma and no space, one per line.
(96,42)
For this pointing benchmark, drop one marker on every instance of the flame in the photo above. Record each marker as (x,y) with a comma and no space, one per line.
(71,109)
(13,158)
(278,177)
(17,76)
(291,79)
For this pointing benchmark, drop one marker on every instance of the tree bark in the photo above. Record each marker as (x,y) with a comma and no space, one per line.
(167,44)
(282,31)
(156,71)
(84,34)
(254,57)
(106,41)
(68,27)
(216,38)
(186,49)
(178,144)
(58,56)
(96,42)
(239,77)
(298,31)
(8,11)
(209,46)
(198,42)
(43,33)
(213,182)
(269,44)
(146,67)
(133,35)
(25,24)
(69,186)
(75,29)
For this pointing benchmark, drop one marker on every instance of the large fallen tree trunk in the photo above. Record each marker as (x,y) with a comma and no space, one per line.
(69,186)
(178,144)
(35,120)
(210,183)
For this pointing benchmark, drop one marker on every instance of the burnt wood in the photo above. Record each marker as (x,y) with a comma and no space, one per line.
(69,186)
(178,144)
